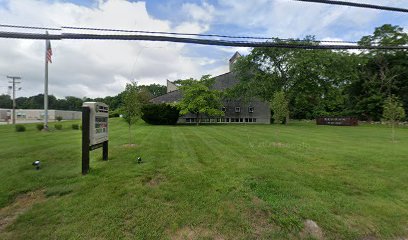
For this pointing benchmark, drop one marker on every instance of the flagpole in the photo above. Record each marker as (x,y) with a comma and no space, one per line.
(46,87)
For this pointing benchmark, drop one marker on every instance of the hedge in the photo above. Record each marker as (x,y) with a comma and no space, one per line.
(160,114)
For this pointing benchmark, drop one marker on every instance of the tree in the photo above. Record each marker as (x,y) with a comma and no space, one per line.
(280,108)
(312,80)
(5,101)
(393,112)
(155,89)
(382,73)
(199,99)
(131,106)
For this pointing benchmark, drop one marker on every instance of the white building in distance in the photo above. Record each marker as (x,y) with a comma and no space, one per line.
(34,115)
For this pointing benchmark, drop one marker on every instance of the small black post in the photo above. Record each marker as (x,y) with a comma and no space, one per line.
(105,150)
(85,139)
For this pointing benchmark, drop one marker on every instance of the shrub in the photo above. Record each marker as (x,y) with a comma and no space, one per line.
(40,126)
(115,113)
(58,126)
(160,114)
(20,128)
(75,126)
(59,118)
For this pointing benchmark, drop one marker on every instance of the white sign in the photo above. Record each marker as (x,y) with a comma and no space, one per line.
(98,122)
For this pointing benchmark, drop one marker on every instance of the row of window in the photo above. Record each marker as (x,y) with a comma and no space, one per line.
(238,109)
(221,120)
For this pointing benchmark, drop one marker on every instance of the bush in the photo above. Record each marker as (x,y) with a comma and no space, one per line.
(160,114)
(40,126)
(75,126)
(59,118)
(114,114)
(58,126)
(20,128)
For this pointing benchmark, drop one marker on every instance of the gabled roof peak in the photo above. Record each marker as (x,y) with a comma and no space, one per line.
(235,56)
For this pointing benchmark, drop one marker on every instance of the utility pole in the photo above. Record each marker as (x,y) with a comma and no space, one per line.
(14,82)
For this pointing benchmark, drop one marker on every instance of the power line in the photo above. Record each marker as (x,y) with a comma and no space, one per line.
(73,36)
(29,27)
(360,5)
(172,33)
(197,34)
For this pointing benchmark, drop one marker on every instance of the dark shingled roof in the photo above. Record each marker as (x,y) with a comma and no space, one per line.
(222,82)
(170,97)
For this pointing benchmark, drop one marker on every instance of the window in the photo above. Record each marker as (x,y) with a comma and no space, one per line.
(232,119)
(227,119)
(251,109)
(224,109)
(250,120)
(241,120)
(246,120)
(237,109)
(254,119)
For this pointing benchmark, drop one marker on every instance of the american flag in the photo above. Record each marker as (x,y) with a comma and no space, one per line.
(49,51)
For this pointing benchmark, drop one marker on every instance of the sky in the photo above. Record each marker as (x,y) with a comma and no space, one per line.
(96,68)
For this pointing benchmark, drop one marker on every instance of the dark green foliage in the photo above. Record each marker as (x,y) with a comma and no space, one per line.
(75,126)
(5,101)
(40,126)
(160,114)
(325,82)
(59,118)
(114,113)
(146,92)
(20,128)
(58,126)
(199,98)
(154,90)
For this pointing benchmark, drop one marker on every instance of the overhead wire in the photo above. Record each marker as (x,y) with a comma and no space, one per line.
(197,34)
(73,36)
(173,33)
(29,27)
(360,5)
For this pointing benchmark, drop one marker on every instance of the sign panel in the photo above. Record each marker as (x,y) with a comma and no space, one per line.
(337,121)
(98,122)
(95,131)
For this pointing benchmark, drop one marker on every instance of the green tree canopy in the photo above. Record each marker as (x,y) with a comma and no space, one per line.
(311,79)
(280,108)
(199,98)
(393,112)
(131,108)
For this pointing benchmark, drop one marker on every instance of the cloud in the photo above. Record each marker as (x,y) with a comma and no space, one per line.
(202,13)
(93,68)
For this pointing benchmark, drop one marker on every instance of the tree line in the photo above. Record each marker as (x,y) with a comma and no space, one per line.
(299,83)
(329,82)
(145,92)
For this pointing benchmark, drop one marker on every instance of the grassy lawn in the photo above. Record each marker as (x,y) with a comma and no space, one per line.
(206,182)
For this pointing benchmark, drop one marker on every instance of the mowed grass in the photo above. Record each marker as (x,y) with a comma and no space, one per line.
(209,182)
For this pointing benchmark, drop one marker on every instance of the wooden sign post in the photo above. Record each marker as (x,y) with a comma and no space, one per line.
(94,131)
